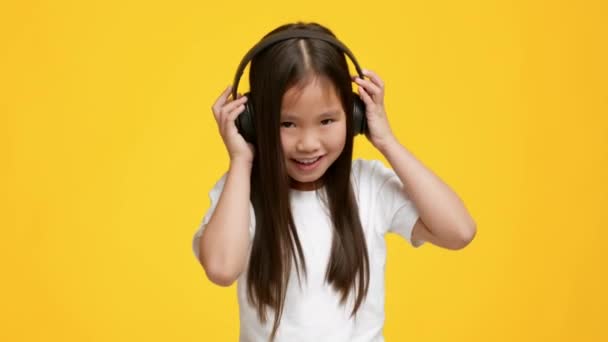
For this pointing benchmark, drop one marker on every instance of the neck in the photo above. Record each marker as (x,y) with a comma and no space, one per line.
(310,186)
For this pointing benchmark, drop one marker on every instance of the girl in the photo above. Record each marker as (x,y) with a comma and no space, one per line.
(295,221)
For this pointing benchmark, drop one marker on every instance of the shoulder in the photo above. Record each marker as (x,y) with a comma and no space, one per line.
(370,171)
(359,163)
(362,166)
(368,177)
(218,186)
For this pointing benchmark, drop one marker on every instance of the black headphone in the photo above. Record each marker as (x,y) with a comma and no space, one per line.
(244,122)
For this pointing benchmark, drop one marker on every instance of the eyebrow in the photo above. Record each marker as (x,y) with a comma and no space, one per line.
(288,116)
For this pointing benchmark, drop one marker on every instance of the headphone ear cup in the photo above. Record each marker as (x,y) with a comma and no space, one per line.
(359,120)
(244,122)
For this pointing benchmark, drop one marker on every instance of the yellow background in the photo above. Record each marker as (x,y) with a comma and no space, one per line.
(109,149)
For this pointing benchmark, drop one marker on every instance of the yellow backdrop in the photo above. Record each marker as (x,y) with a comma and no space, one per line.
(109,149)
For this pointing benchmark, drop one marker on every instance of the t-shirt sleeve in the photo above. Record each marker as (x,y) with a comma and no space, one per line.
(398,213)
(214,196)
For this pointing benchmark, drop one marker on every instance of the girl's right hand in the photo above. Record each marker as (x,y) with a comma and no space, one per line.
(225,112)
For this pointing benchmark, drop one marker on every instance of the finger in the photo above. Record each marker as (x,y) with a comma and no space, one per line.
(231,98)
(371,88)
(229,118)
(374,77)
(367,99)
(221,100)
(233,104)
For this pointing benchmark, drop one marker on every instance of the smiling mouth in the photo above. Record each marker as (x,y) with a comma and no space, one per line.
(308,165)
(308,161)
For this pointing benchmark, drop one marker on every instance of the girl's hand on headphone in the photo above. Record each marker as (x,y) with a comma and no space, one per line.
(225,111)
(371,92)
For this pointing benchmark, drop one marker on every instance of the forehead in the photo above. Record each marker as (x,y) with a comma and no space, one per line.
(312,96)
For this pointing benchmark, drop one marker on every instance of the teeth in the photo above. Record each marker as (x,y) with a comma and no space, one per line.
(307,161)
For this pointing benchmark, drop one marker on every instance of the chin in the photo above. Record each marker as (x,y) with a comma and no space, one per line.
(304,182)
(305,179)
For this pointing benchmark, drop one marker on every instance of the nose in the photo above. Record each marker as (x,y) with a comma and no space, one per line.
(308,141)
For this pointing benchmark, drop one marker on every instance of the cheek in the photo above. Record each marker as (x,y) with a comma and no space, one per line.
(341,142)
(338,136)
(286,142)
(341,135)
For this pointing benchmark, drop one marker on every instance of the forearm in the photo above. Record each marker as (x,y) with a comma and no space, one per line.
(225,241)
(440,208)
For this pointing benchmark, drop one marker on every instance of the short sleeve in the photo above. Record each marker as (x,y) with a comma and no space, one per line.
(214,196)
(396,212)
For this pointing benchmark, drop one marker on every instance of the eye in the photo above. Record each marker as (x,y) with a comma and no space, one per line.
(327,121)
(287,124)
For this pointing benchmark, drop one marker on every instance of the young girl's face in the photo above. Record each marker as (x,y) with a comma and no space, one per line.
(313,130)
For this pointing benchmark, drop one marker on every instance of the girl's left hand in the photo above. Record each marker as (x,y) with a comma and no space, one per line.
(371,92)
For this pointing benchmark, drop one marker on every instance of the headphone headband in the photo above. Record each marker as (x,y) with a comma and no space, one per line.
(285,35)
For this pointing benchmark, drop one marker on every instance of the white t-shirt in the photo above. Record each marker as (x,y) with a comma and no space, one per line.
(313,312)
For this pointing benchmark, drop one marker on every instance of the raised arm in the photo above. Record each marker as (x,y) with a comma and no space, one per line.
(444,220)
(224,243)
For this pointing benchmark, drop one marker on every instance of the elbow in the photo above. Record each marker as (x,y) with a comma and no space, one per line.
(219,274)
(217,267)
(220,279)
(467,235)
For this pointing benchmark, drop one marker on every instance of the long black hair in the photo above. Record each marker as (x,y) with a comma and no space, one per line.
(276,244)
